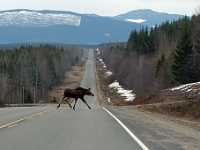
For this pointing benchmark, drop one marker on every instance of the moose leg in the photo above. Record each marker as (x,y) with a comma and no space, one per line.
(68,102)
(60,102)
(75,104)
(84,101)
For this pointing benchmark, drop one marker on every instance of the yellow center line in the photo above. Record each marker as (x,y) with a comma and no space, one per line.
(14,123)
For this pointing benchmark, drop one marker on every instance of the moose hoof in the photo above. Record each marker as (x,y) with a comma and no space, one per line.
(58,106)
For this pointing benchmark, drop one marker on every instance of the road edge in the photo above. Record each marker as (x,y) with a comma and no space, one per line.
(133,136)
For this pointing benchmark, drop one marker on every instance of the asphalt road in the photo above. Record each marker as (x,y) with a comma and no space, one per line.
(46,128)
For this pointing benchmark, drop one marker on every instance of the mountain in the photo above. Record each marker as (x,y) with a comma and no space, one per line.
(23,26)
(147,17)
(47,26)
(38,18)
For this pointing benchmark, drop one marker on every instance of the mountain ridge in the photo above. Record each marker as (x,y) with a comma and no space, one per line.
(24,25)
(147,11)
(150,17)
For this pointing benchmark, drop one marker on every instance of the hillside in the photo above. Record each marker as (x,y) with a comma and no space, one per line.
(148,17)
(47,26)
(181,101)
(21,26)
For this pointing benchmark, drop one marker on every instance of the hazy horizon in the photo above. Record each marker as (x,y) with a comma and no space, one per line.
(103,7)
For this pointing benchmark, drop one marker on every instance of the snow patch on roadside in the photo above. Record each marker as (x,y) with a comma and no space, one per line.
(98,51)
(108,72)
(128,94)
(186,87)
(108,99)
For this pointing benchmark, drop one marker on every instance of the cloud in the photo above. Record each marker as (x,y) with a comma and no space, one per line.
(105,7)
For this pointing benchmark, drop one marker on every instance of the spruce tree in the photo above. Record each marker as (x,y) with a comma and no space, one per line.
(181,70)
(196,46)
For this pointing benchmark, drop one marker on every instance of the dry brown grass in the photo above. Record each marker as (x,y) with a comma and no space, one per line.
(183,109)
(72,79)
(172,103)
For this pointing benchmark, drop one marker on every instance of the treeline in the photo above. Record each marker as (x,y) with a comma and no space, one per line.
(28,72)
(157,58)
(148,40)
(142,42)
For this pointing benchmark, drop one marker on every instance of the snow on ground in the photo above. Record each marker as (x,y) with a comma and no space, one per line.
(109,73)
(104,66)
(32,18)
(136,20)
(101,61)
(186,87)
(108,99)
(98,51)
(128,94)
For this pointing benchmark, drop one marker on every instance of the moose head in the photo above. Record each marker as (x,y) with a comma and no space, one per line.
(85,91)
(88,92)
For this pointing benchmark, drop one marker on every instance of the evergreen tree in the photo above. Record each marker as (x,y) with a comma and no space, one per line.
(181,68)
(196,46)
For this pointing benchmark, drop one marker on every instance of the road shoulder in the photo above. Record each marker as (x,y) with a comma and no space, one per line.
(158,131)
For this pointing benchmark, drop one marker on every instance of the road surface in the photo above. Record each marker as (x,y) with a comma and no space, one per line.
(46,128)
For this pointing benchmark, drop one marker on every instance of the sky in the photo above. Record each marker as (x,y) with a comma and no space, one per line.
(105,7)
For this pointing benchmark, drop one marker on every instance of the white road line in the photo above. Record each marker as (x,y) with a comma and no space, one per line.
(141,144)
(14,123)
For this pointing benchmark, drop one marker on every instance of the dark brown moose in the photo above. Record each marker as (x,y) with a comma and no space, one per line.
(77,93)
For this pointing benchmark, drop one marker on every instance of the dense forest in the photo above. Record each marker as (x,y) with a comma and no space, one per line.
(157,58)
(28,72)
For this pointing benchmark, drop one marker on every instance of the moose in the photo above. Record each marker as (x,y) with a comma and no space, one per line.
(77,93)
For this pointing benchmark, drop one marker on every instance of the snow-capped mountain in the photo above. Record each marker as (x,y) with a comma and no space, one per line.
(21,26)
(36,18)
(147,17)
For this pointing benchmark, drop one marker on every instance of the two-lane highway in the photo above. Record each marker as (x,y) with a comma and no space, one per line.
(65,129)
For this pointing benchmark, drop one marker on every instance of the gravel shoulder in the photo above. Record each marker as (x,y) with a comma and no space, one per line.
(159,132)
